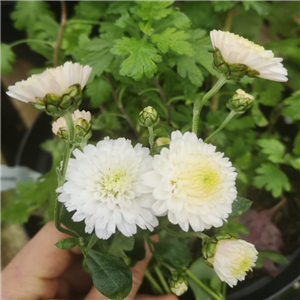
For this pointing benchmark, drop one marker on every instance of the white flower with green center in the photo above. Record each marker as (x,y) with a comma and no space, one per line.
(233,259)
(237,51)
(52,81)
(105,188)
(192,184)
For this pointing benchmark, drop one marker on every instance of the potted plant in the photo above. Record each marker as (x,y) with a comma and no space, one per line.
(150,70)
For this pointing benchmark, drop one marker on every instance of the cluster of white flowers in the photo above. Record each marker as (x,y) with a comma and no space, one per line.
(114,185)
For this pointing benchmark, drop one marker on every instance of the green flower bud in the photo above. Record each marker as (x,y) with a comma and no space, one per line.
(240,102)
(231,71)
(178,284)
(148,117)
(210,247)
(57,105)
(82,124)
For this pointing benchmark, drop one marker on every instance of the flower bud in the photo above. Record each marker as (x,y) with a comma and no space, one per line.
(57,105)
(82,124)
(240,102)
(162,141)
(229,70)
(178,284)
(148,117)
(230,257)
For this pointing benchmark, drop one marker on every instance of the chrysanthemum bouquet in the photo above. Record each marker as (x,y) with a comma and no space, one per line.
(115,193)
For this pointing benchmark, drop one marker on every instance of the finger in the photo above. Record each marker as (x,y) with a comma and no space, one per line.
(138,272)
(34,269)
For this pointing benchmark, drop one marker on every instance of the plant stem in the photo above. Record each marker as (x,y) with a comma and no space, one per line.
(153,282)
(186,234)
(30,41)
(164,99)
(162,280)
(129,121)
(202,285)
(200,102)
(229,117)
(151,138)
(61,179)
(176,98)
(60,33)
(224,286)
(148,90)
(94,239)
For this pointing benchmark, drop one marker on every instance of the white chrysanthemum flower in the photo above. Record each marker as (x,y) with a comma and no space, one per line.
(233,259)
(238,50)
(54,81)
(192,183)
(77,116)
(104,186)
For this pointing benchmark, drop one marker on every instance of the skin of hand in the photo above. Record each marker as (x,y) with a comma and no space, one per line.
(42,271)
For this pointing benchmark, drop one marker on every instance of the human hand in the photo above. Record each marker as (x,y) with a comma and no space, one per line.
(41,270)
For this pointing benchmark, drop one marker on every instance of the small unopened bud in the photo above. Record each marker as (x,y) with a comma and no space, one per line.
(240,102)
(178,284)
(148,117)
(162,141)
(57,105)
(82,124)
(231,71)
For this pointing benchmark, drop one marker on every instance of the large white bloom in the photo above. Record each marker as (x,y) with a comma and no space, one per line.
(192,183)
(238,50)
(104,187)
(233,259)
(55,80)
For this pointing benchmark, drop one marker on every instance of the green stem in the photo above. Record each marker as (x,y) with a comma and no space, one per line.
(202,285)
(186,234)
(229,117)
(224,286)
(200,102)
(153,282)
(162,280)
(61,179)
(94,239)
(31,41)
(151,138)
(148,90)
(176,98)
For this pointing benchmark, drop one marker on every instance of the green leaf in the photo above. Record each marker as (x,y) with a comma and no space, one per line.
(205,274)
(142,57)
(273,149)
(167,129)
(239,206)
(272,179)
(98,54)
(90,10)
(72,34)
(117,7)
(262,8)
(273,256)
(173,251)
(176,40)
(110,274)
(128,25)
(187,67)
(120,244)
(296,149)
(234,227)
(222,5)
(292,106)
(67,243)
(138,252)
(16,211)
(293,161)
(7,57)
(26,13)
(153,10)
(257,116)
(99,91)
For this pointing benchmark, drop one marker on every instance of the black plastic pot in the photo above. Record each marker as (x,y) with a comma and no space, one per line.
(262,288)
